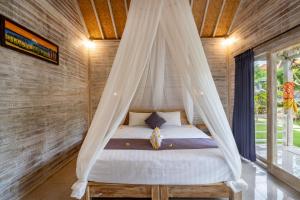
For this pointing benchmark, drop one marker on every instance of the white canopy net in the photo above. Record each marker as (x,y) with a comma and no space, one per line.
(160,36)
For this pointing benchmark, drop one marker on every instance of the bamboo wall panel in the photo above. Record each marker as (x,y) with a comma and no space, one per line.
(119,13)
(89,17)
(211,18)
(226,17)
(199,11)
(105,18)
(257,21)
(101,59)
(43,107)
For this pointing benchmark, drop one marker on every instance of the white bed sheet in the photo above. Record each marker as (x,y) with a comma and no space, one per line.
(177,167)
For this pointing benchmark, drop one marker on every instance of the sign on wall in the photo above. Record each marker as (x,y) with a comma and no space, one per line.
(17,37)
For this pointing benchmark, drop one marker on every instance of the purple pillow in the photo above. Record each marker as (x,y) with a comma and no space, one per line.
(154,120)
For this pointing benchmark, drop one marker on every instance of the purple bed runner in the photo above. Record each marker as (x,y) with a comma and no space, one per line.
(167,144)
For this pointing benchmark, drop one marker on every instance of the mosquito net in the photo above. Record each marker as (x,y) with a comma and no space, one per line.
(160,50)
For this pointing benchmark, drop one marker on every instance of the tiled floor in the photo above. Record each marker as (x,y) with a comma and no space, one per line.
(288,158)
(262,186)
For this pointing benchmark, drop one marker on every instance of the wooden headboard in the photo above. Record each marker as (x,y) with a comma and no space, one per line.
(182,115)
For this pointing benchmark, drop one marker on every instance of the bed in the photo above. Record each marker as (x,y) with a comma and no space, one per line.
(160,174)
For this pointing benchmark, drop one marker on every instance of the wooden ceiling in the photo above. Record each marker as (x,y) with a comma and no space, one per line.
(105,19)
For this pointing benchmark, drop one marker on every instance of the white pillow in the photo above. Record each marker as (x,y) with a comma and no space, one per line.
(138,119)
(172,118)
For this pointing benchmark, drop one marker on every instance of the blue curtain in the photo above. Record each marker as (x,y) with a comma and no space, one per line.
(243,112)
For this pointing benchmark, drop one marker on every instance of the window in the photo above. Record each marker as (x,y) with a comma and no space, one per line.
(260,106)
(276,95)
(288,115)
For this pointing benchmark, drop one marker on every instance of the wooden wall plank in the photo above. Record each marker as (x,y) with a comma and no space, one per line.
(69,11)
(119,12)
(43,107)
(258,21)
(89,18)
(101,59)
(226,18)
(217,59)
(211,18)
(105,19)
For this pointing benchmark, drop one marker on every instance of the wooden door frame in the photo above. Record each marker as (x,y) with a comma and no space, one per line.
(270,162)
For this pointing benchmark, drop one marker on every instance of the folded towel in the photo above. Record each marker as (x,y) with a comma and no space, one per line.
(156,138)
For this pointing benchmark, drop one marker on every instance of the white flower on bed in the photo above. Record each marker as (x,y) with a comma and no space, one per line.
(156,138)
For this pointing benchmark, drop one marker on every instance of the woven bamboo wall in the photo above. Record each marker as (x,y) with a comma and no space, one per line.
(43,107)
(101,59)
(257,21)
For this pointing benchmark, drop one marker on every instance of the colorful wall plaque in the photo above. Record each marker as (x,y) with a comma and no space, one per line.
(19,38)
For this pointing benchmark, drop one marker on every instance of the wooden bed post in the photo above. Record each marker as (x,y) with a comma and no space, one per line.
(87,193)
(155,192)
(164,192)
(235,195)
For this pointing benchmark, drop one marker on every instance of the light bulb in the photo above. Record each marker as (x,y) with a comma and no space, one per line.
(228,41)
(89,44)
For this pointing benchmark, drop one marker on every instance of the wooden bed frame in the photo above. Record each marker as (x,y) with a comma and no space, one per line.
(160,192)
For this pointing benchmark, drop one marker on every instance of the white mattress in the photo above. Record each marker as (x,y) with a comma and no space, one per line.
(177,167)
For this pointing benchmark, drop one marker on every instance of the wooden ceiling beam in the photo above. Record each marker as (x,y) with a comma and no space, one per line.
(211,18)
(81,18)
(126,6)
(89,18)
(105,19)
(204,17)
(234,16)
(192,3)
(219,17)
(97,19)
(104,13)
(198,10)
(227,17)
(119,13)
(112,18)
